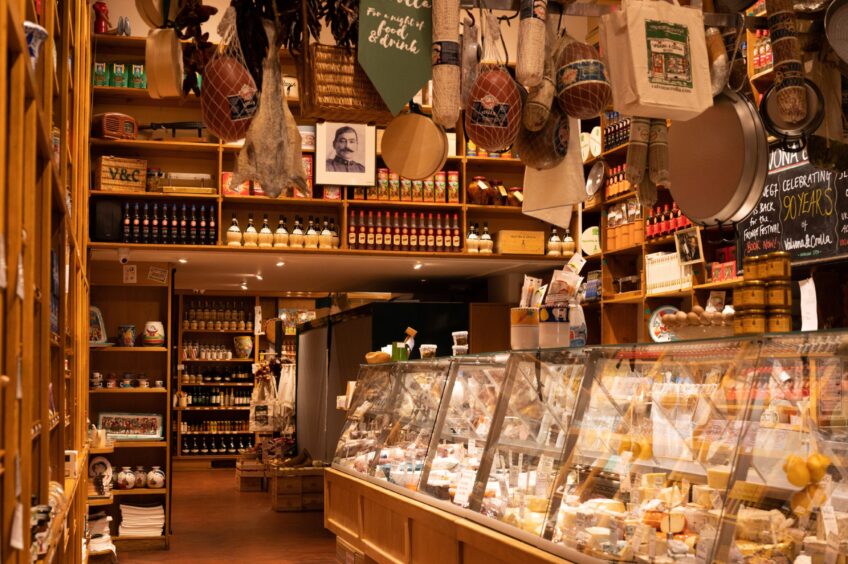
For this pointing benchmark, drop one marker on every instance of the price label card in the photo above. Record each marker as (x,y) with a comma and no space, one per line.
(809,309)
(829,520)
(747,491)
(130,274)
(19,288)
(464,487)
(157,274)
(16,539)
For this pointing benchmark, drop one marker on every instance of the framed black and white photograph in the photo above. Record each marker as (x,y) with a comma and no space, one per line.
(689,247)
(345,154)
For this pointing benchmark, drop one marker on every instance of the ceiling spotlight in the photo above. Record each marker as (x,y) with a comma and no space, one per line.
(183,261)
(418,266)
(280,263)
(259,277)
(244,285)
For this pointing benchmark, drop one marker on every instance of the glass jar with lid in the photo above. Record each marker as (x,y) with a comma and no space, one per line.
(780,320)
(779,294)
(776,266)
(515,197)
(750,295)
(751,268)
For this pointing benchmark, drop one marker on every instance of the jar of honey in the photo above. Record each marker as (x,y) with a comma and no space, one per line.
(751,268)
(778,294)
(780,320)
(754,321)
(776,266)
(750,295)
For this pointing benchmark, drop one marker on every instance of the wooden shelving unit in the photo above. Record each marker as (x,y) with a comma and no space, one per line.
(134,304)
(42,222)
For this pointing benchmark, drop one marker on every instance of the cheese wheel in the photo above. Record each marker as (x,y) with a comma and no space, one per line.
(673,521)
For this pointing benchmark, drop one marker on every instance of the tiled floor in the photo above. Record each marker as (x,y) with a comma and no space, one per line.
(214,522)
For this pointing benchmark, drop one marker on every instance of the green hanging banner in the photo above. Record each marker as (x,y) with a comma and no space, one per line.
(395,39)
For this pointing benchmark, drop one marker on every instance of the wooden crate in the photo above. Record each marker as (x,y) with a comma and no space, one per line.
(250,476)
(119,174)
(297,489)
(513,242)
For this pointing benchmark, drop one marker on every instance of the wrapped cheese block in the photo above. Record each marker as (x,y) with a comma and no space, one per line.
(493,114)
(531,42)
(583,89)
(446,63)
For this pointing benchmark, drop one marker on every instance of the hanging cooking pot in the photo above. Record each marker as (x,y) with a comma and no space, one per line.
(793,136)
(414,146)
(718,161)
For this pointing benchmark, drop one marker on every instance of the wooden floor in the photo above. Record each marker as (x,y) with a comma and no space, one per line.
(214,522)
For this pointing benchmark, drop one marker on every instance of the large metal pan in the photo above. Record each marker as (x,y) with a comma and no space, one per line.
(718,161)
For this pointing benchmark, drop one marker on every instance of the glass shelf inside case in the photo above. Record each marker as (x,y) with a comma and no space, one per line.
(788,495)
(655,440)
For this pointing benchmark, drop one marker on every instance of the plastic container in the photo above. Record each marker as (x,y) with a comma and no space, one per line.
(524,328)
(459,350)
(428,351)
(460,337)
(554,330)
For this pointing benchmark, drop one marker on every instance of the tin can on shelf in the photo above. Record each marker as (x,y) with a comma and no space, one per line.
(359,192)
(417,191)
(751,268)
(440,193)
(382,184)
(776,266)
(429,189)
(750,295)
(394,186)
(779,294)
(405,190)
(754,321)
(780,320)
(470,149)
(453,186)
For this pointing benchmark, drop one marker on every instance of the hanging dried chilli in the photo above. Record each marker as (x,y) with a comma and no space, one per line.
(789,83)
(290,22)
(342,17)
(198,50)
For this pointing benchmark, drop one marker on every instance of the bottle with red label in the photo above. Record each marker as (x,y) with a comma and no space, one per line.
(404,234)
(378,232)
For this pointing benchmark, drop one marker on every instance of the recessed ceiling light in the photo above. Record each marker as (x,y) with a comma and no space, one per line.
(259,277)
(183,261)
(418,266)
(280,263)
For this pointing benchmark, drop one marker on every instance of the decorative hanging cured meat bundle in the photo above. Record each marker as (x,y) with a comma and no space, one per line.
(228,99)
(583,89)
(789,70)
(537,108)
(446,65)
(493,113)
(470,57)
(547,147)
(529,68)
(271,152)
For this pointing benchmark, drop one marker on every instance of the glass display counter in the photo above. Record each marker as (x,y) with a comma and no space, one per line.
(730,450)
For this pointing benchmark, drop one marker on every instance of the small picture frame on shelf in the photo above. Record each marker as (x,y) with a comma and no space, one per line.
(131,426)
(345,154)
(690,250)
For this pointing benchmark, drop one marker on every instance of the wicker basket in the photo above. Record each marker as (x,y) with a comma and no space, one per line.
(334,87)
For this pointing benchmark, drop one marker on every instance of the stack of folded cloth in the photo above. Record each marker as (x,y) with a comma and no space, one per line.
(101,539)
(141,521)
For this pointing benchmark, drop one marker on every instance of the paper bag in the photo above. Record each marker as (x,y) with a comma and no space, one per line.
(550,194)
(656,54)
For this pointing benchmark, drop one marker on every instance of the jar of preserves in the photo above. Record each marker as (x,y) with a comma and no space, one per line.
(478,191)
(751,268)
(776,266)
(750,295)
(780,320)
(779,294)
(515,197)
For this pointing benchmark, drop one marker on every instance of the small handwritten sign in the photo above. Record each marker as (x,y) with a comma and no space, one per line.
(395,39)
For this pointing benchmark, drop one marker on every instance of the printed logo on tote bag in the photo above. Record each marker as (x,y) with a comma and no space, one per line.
(668,55)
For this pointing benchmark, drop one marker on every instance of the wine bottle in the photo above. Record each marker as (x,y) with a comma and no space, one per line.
(192,226)
(126,230)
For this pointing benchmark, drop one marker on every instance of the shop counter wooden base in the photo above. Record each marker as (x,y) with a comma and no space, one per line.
(390,528)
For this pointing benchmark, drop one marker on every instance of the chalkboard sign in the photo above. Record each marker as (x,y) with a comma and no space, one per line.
(803,210)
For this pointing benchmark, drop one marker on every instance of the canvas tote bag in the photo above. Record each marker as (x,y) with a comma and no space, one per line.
(264,416)
(657,56)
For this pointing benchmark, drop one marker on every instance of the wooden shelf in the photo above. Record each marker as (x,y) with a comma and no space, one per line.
(211,408)
(141,444)
(232,361)
(130,349)
(141,491)
(151,195)
(125,95)
(151,145)
(216,433)
(264,200)
(495,210)
(631,250)
(206,457)
(630,194)
(402,204)
(214,331)
(101,501)
(625,298)
(219,384)
(233,148)
(670,294)
(494,160)
(621,149)
(763,79)
(722,285)
(102,450)
(128,391)
(659,242)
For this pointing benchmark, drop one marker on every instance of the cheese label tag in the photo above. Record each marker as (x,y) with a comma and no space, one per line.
(472,448)
(829,520)
(624,471)
(464,487)
(715,499)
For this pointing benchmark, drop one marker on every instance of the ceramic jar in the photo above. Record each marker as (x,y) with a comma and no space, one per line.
(126,336)
(243,345)
(156,478)
(140,477)
(154,334)
(125,479)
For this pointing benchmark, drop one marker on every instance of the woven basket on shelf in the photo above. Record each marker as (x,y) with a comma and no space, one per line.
(334,87)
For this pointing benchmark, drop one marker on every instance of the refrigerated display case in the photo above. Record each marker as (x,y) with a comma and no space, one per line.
(727,450)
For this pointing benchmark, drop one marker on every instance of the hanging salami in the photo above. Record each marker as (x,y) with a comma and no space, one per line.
(493,114)
(788,67)
(446,68)
(529,68)
(583,89)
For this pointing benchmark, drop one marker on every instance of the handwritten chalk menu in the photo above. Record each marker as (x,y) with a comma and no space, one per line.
(395,39)
(803,210)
